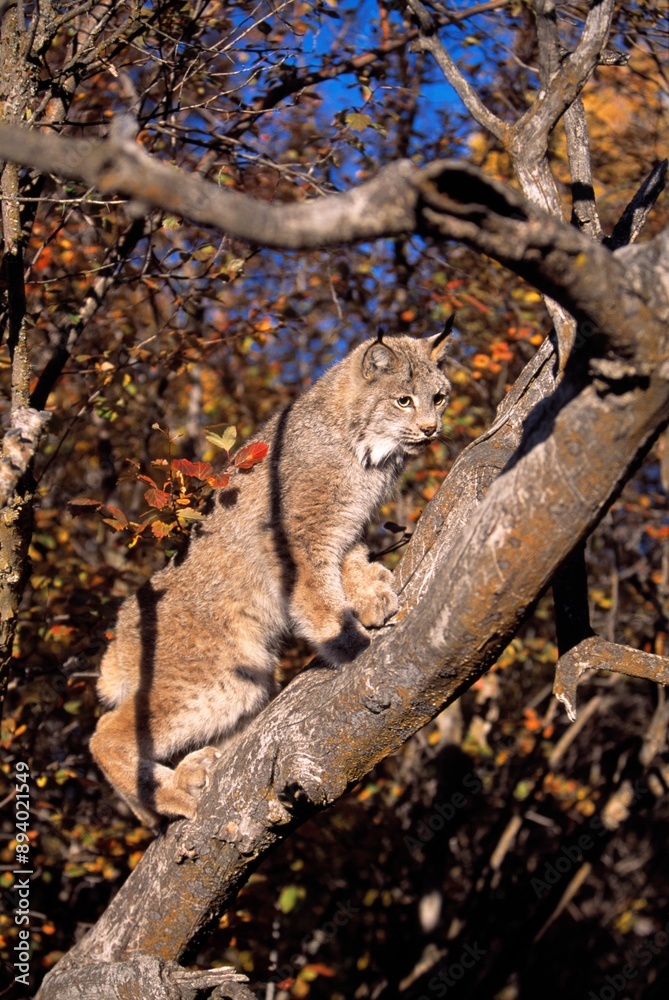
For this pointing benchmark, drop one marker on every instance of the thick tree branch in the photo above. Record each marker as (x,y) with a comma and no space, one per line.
(443,200)
(145,976)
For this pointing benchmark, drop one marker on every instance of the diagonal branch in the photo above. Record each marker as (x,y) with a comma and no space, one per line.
(428,41)
(328,728)
(634,217)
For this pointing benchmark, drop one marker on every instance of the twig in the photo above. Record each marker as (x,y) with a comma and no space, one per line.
(428,41)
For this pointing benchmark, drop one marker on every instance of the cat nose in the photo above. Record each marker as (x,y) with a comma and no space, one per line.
(429,430)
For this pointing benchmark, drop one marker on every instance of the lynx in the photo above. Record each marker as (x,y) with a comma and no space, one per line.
(195,650)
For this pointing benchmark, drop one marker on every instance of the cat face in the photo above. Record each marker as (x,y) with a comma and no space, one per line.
(408,393)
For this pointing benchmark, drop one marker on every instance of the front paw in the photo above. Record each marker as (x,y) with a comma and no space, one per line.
(193,773)
(350,641)
(378,601)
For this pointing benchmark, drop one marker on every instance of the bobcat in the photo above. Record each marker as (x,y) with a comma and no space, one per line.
(195,649)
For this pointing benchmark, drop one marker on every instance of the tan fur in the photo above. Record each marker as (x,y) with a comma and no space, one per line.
(195,650)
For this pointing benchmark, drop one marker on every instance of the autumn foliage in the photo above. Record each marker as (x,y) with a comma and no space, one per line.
(159,347)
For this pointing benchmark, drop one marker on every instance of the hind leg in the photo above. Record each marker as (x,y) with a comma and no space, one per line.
(252,689)
(131,740)
(125,751)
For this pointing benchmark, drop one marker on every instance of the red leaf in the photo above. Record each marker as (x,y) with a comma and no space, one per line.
(149,480)
(250,455)
(157,498)
(220,481)
(199,470)
(117,514)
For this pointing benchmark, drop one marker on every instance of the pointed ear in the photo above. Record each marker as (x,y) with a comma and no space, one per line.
(378,359)
(438,346)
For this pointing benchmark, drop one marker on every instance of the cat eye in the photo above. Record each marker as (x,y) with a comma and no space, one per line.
(439,398)
(404,401)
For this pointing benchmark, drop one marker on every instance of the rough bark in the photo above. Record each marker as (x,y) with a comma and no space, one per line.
(445,200)
(467,598)
(535,483)
(16,518)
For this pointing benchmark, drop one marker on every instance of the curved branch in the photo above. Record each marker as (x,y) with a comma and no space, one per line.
(446,199)
(382,207)
(595,653)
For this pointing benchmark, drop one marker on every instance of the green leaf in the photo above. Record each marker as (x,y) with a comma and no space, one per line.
(357,121)
(289,897)
(225,441)
(203,253)
(188,514)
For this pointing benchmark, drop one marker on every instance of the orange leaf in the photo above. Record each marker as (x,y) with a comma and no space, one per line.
(117,514)
(220,481)
(160,529)
(500,351)
(113,523)
(149,480)
(157,498)
(657,533)
(248,456)
(57,631)
(319,969)
(199,470)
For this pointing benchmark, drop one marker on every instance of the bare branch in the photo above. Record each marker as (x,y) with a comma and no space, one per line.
(566,84)
(428,41)
(119,164)
(634,217)
(584,213)
(595,653)
(446,199)
(144,976)
(579,274)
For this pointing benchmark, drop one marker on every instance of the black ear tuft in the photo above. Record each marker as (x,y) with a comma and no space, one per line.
(439,344)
